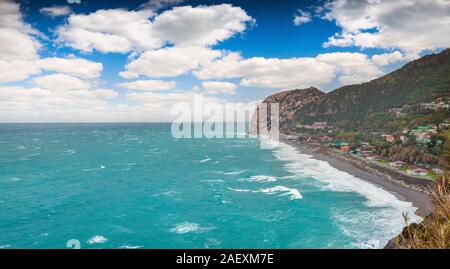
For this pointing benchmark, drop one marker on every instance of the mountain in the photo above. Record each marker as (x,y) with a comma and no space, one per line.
(289,102)
(421,80)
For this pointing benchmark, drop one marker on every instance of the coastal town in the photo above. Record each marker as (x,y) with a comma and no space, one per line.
(414,151)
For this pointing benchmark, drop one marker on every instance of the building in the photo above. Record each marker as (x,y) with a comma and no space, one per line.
(417,172)
(389,138)
(437,105)
(444,125)
(423,132)
(438,171)
(339,144)
(403,138)
(397,164)
(319,125)
(373,158)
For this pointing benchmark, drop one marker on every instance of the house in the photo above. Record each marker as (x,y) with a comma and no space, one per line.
(403,138)
(373,158)
(389,138)
(444,125)
(292,137)
(437,105)
(397,164)
(315,126)
(423,140)
(438,171)
(339,144)
(320,125)
(417,172)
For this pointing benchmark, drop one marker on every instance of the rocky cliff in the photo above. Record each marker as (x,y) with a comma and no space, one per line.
(290,102)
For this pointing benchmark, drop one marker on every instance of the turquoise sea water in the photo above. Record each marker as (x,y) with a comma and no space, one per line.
(134,186)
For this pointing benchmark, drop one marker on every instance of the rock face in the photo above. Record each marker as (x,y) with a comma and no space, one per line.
(289,102)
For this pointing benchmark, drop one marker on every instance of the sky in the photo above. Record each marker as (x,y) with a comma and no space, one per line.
(107,61)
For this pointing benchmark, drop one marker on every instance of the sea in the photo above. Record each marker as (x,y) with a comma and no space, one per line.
(133,185)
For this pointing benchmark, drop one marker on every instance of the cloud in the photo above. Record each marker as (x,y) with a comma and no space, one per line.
(169,62)
(120,30)
(351,68)
(18,46)
(304,72)
(56,11)
(61,82)
(36,104)
(269,72)
(302,17)
(74,66)
(412,26)
(112,30)
(149,85)
(388,58)
(200,26)
(218,87)
(16,70)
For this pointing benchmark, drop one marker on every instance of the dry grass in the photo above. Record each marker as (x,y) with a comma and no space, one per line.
(434,231)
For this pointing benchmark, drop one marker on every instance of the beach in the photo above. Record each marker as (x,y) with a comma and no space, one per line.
(420,199)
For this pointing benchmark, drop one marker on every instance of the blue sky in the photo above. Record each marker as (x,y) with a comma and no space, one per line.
(132,60)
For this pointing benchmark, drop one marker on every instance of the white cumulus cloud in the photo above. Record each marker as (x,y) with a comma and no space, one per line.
(120,30)
(304,72)
(74,66)
(218,87)
(19,46)
(56,11)
(149,85)
(412,26)
(169,62)
(302,17)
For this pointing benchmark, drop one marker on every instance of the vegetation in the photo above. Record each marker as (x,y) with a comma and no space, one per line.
(434,231)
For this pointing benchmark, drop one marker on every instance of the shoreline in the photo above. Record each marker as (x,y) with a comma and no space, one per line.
(420,199)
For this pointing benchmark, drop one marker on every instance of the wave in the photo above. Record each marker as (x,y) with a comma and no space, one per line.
(293,194)
(97,239)
(189,227)
(262,178)
(354,223)
(234,172)
(130,247)
(70,152)
(212,180)
(205,160)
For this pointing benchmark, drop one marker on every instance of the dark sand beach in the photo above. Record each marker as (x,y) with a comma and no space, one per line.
(421,200)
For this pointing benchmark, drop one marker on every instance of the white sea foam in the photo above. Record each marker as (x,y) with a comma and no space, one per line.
(14,179)
(212,180)
(189,227)
(262,178)
(98,239)
(293,194)
(205,160)
(131,247)
(234,172)
(358,223)
(70,152)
